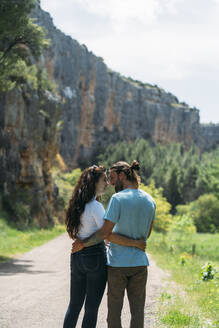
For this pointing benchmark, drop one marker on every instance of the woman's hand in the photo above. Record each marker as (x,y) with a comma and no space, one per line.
(107,242)
(77,246)
(141,244)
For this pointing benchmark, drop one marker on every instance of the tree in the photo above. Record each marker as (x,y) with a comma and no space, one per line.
(172,189)
(20,38)
(183,174)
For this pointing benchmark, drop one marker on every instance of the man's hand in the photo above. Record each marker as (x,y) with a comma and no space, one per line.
(140,243)
(77,246)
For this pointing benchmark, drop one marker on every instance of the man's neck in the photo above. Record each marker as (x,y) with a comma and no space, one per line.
(128,186)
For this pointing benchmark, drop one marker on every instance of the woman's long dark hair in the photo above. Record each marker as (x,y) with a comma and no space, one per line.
(84,191)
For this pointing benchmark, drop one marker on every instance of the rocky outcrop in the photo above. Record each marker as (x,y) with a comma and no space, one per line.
(28,144)
(209,136)
(102,107)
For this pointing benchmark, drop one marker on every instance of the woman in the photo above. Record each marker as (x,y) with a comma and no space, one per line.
(88,267)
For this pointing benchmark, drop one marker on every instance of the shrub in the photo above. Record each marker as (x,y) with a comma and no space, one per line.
(107,195)
(73,176)
(183,224)
(163,216)
(18,207)
(208,272)
(65,183)
(204,211)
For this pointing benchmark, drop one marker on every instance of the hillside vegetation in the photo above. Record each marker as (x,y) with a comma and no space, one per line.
(187,178)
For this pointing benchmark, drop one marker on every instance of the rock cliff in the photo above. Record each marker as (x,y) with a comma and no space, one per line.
(97,107)
(209,136)
(28,144)
(101,106)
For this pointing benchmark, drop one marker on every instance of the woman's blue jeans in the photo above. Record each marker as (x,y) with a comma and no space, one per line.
(88,281)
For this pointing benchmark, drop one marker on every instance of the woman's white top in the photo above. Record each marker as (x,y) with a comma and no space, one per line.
(91,219)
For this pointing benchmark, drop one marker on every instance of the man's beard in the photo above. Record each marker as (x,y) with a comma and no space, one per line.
(118,185)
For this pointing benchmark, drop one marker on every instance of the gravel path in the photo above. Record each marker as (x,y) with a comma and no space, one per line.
(34,289)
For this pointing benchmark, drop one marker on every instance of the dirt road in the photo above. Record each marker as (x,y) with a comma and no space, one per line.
(34,289)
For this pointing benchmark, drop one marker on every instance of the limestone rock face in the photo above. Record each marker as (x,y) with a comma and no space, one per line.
(209,136)
(28,144)
(101,107)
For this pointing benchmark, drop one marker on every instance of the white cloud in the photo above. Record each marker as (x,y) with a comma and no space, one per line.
(170,5)
(123,10)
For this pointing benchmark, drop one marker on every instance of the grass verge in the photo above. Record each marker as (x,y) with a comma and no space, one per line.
(13,241)
(190,301)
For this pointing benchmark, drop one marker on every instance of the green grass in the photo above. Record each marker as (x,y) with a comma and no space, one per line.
(175,313)
(175,317)
(191,302)
(13,241)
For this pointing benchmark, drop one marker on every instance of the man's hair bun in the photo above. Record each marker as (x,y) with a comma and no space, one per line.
(135,165)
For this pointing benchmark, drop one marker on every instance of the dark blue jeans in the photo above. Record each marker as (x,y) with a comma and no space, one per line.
(88,281)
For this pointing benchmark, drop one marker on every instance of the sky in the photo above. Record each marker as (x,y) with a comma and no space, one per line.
(171,43)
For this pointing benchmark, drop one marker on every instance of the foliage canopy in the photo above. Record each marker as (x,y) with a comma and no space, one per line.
(21,40)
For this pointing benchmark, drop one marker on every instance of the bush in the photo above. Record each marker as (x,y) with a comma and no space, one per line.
(183,224)
(105,198)
(163,217)
(208,272)
(204,211)
(73,176)
(18,207)
(65,183)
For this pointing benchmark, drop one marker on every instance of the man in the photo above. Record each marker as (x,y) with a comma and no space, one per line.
(130,213)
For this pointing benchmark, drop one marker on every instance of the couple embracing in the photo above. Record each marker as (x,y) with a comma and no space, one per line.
(108,246)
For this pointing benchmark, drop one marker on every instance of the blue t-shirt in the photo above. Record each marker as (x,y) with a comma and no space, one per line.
(132,211)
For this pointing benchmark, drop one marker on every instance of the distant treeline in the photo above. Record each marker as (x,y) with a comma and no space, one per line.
(186,176)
